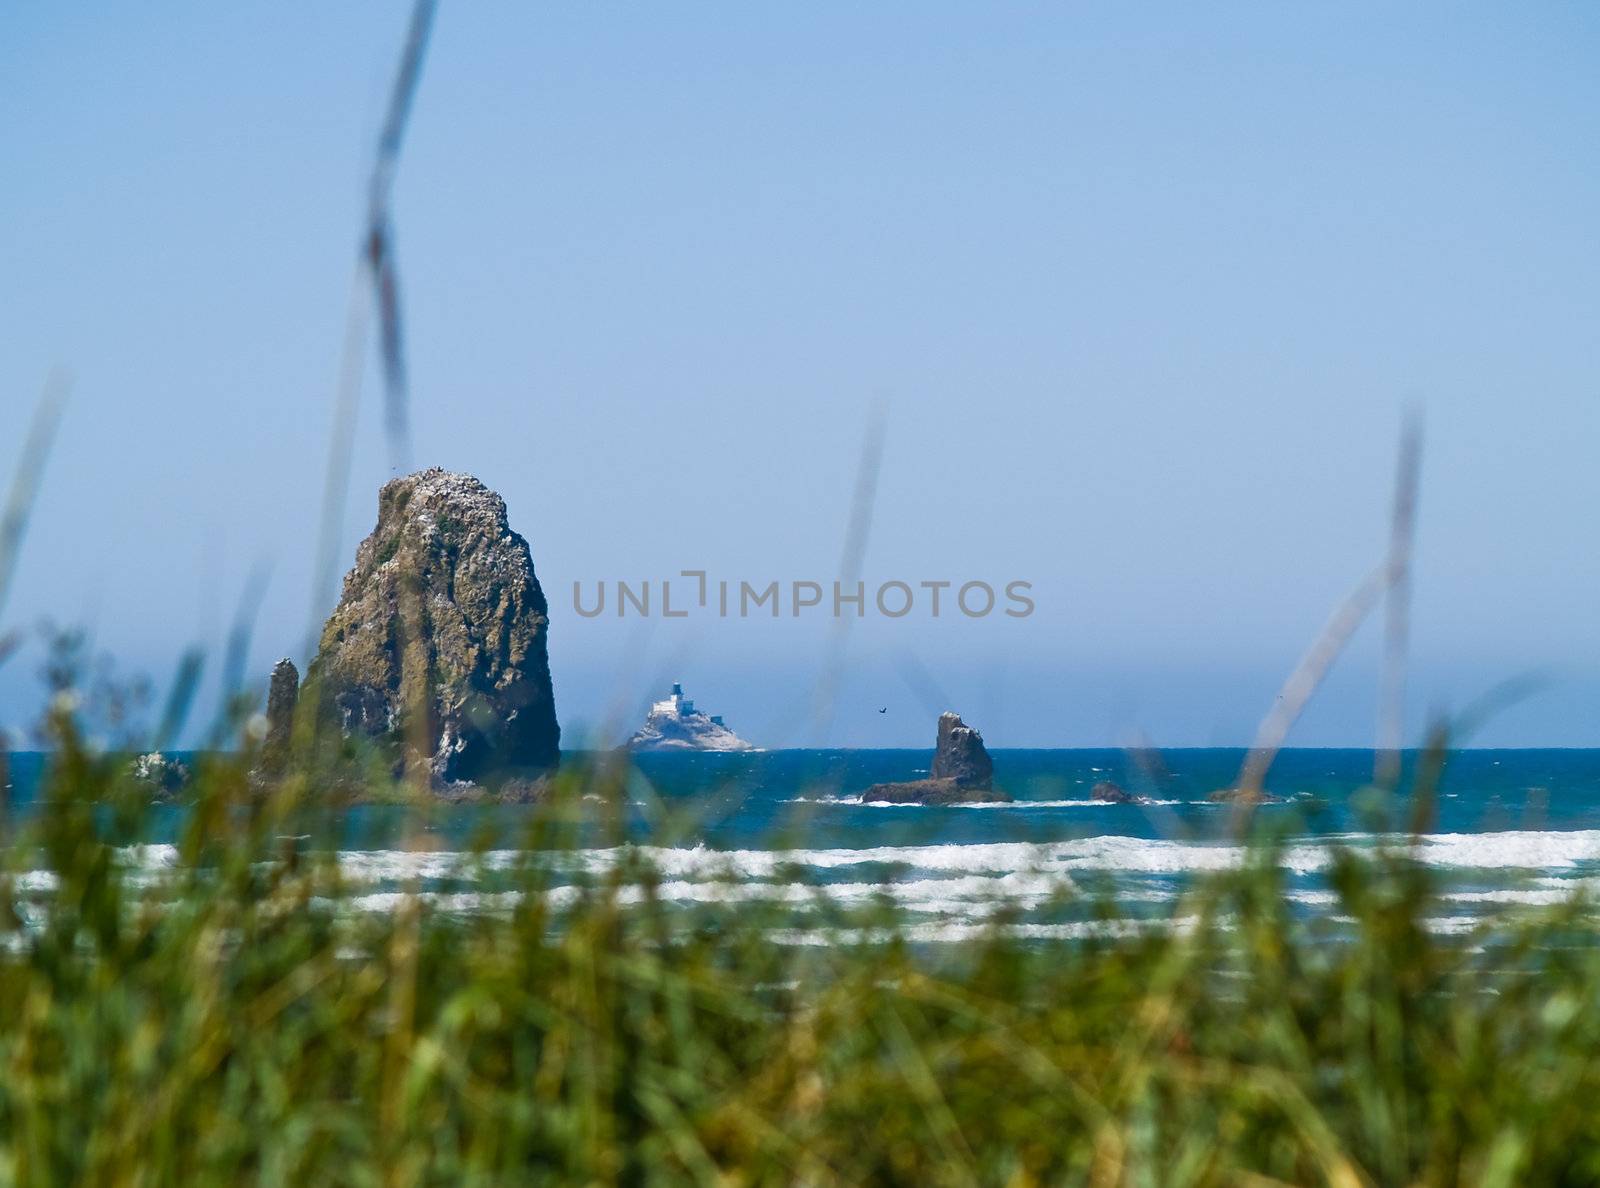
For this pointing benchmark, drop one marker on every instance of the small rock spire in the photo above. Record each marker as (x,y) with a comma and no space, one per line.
(283,694)
(960,755)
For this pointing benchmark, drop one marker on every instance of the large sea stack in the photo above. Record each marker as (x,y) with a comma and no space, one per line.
(443,618)
(962,772)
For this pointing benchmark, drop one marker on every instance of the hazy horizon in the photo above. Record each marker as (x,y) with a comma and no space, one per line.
(1142,296)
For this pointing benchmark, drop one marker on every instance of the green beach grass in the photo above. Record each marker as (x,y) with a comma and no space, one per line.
(235,1016)
(239,1010)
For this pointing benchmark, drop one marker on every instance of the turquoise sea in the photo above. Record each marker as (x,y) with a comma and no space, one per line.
(1510,827)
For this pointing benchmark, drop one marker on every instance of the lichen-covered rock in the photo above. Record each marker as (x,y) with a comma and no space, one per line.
(960,755)
(439,641)
(283,694)
(962,772)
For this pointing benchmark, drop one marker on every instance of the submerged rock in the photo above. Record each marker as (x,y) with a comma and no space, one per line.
(674,724)
(930,791)
(439,641)
(1243,796)
(961,773)
(512,791)
(1114,793)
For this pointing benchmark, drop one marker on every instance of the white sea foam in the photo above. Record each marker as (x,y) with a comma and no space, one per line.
(1541,851)
(393,866)
(1513,849)
(951,892)
(954,932)
(1312,898)
(1017,804)
(35,880)
(1534,851)
(155,855)
(1545,853)
(1077,802)
(969,897)
(465,902)
(1569,883)
(960,893)
(1532,898)
(1114,853)
(854,802)
(1452,925)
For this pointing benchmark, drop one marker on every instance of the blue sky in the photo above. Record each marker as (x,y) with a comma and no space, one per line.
(1142,292)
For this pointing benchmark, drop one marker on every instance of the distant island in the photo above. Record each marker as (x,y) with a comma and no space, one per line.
(673,724)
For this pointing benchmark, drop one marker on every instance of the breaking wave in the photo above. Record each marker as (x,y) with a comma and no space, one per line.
(1546,853)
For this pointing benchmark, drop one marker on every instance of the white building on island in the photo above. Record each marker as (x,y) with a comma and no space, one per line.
(673,724)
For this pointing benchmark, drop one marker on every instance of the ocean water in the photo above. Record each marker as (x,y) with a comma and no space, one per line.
(1512,827)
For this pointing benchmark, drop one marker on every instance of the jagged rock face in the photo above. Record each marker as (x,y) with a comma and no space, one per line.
(283,694)
(962,772)
(960,754)
(442,619)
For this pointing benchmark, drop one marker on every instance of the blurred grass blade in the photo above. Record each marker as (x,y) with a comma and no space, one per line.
(377,280)
(852,559)
(180,699)
(30,472)
(336,483)
(8,644)
(1304,681)
(924,686)
(1448,734)
(380,250)
(238,650)
(1397,603)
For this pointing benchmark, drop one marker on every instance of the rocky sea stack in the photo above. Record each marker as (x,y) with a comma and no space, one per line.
(443,617)
(962,772)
